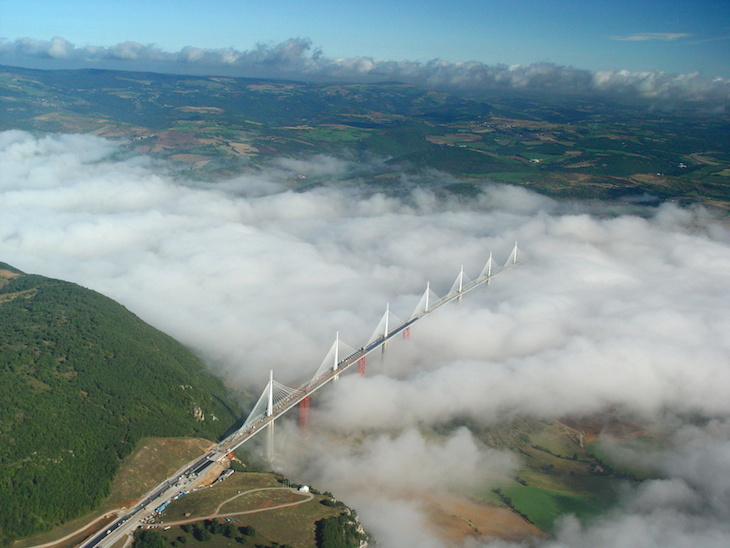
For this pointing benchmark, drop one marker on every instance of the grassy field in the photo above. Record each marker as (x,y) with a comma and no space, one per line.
(293,526)
(204,502)
(332,134)
(543,506)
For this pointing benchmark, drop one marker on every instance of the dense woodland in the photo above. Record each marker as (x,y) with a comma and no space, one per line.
(81,381)
(338,532)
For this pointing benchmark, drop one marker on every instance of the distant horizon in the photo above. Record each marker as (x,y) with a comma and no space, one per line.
(298,59)
(676,36)
(33,52)
(27,52)
(670,51)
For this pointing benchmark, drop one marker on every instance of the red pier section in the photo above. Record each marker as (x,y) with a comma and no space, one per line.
(304,414)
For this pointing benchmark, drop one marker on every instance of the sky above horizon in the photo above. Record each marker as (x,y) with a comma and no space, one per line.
(675,36)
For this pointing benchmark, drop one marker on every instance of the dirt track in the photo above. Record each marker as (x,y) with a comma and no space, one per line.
(218,514)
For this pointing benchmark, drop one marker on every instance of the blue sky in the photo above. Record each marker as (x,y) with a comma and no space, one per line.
(669,35)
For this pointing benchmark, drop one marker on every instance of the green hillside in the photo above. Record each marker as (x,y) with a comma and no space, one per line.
(82,379)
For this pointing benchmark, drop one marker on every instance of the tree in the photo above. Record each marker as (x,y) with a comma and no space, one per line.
(201,534)
(148,538)
(227,529)
(329,535)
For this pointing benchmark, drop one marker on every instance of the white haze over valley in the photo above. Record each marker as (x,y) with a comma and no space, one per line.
(612,308)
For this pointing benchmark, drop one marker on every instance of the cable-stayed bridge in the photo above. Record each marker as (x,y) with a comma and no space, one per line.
(277,399)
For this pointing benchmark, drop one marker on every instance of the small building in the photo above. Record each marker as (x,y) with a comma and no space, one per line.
(304,489)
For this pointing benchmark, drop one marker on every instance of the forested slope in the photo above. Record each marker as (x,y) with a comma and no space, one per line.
(81,380)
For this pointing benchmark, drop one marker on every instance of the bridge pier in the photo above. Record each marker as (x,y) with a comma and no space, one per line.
(304,415)
(270,451)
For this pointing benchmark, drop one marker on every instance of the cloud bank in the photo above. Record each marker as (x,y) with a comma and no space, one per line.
(296,58)
(612,308)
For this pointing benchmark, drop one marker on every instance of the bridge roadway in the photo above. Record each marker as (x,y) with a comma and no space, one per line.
(185,478)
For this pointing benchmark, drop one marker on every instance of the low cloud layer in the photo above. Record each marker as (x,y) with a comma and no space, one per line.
(405,463)
(611,308)
(297,58)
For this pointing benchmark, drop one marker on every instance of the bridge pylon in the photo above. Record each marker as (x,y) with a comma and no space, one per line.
(336,360)
(270,426)
(458,287)
(383,328)
(487,270)
(424,305)
(512,260)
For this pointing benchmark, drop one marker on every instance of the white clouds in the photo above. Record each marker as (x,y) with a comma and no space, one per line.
(387,476)
(645,36)
(579,331)
(610,309)
(407,463)
(296,58)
